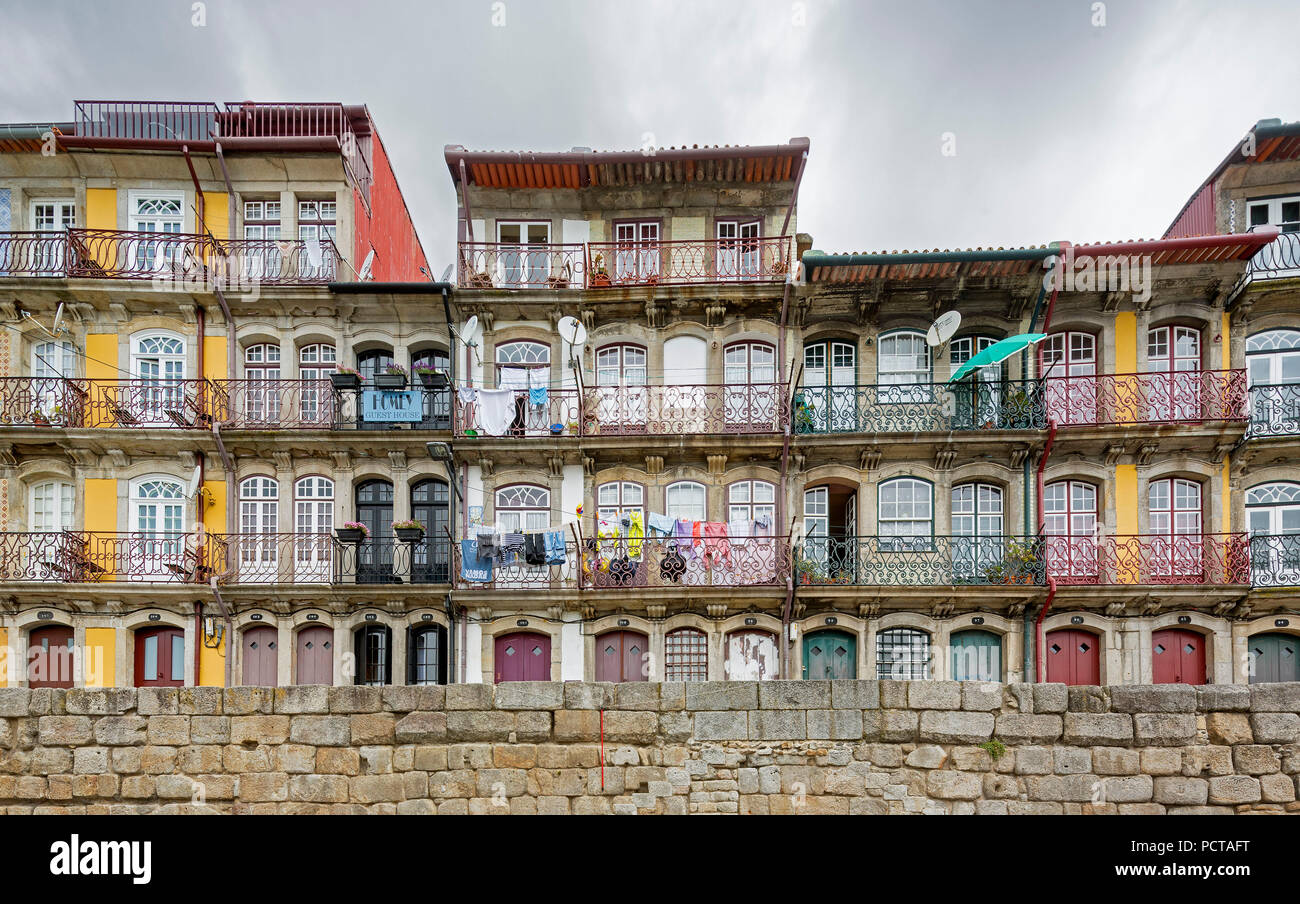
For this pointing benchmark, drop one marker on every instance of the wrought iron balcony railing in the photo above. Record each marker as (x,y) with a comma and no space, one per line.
(1151,398)
(1275,560)
(1275,410)
(920,407)
(1204,559)
(172,257)
(1279,259)
(517,573)
(684,409)
(935,561)
(43,402)
(72,557)
(598,265)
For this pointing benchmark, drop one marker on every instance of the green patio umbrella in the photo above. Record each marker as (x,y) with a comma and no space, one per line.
(997,353)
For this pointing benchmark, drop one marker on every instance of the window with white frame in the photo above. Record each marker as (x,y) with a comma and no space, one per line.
(261,219)
(905,513)
(523,508)
(51,506)
(1273,519)
(622,497)
(259,520)
(313,514)
(685,500)
(738,249)
(1282,212)
(156,212)
(317,220)
(751,500)
(523,257)
(903,360)
(902,654)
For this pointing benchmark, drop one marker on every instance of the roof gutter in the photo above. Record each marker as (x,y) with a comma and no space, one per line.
(1153,246)
(286,143)
(391,288)
(822,259)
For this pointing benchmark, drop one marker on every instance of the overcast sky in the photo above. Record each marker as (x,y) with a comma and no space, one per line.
(1063,128)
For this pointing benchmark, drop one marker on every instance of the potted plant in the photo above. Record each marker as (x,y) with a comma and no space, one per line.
(573,428)
(431,377)
(599,276)
(38,417)
(810,571)
(346,378)
(803,414)
(1017,410)
(352,532)
(393,377)
(409,531)
(1020,562)
(557,429)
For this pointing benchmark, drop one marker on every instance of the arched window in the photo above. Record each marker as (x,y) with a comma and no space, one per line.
(977,529)
(315,364)
(427,661)
(1068,361)
(523,507)
(1273,367)
(158,357)
(685,501)
(1273,519)
(524,354)
(905,513)
(373,648)
(259,506)
(375,510)
(621,497)
(158,363)
(978,397)
(1175,351)
(431,562)
(749,370)
(621,365)
(316,361)
(51,506)
(902,654)
(904,359)
(1174,516)
(372,362)
(751,500)
(686,655)
(262,361)
(827,400)
(313,522)
(261,401)
(158,524)
(1070,523)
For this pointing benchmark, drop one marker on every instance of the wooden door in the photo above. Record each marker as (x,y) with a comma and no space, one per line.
(830,655)
(620,656)
(49,657)
(752,656)
(1273,657)
(523,656)
(976,656)
(260,650)
(160,657)
(1073,657)
(315,655)
(1177,657)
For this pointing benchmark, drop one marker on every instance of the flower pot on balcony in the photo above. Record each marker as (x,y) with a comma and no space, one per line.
(345,381)
(557,429)
(349,534)
(409,534)
(390,381)
(433,380)
(600,280)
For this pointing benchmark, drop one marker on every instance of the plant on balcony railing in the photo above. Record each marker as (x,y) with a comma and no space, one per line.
(346,378)
(920,407)
(920,561)
(431,377)
(410,531)
(1022,563)
(352,532)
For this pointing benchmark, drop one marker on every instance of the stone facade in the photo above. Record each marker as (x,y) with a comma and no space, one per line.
(712,747)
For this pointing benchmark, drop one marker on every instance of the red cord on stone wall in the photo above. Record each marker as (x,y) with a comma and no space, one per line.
(602,750)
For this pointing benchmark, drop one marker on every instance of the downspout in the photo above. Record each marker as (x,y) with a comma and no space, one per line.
(788,609)
(1051,582)
(1028,631)
(225,614)
(451,637)
(794,194)
(199,205)
(198,639)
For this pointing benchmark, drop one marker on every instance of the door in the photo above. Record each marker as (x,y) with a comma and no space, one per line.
(1273,369)
(424,652)
(48,257)
(1073,657)
(53,363)
(1070,526)
(750,395)
(752,656)
(259,528)
(829,656)
(738,250)
(1273,519)
(828,398)
(523,656)
(261,393)
(1273,657)
(49,657)
(620,656)
(523,260)
(621,393)
(160,657)
(260,650)
(158,546)
(315,364)
(1174,359)
(978,397)
(431,557)
(1068,362)
(679,406)
(375,553)
(1177,657)
(162,214)
(636,258)
(1174,519)
(976,656)
(315,649)
(978,545)
(158,362)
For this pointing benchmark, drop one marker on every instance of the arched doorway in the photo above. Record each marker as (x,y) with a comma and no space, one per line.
(260,651)
(830,655)
(523,656)
(1073,657)
(621,656)
(50,657)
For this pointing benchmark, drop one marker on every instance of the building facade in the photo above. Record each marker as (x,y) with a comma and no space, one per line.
(646,433)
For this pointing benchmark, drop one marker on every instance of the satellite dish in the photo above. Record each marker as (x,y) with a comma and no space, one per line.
(471,327)
(58,318)
(364,273)
(446,274)
(194,480)
(572,331)
(943,328)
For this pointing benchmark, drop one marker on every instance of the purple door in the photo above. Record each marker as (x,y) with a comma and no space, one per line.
(260,651)
(316,655)
(620,656)
(49,657)
(523,657)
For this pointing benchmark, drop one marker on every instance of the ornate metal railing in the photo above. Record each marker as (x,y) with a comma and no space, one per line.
(184,404)
(1178,397)
(43,402)
(73,557)
(878,561)
(685,263)
(267,558)
(116,254)
(920,407)
(562,407)
(492,265)
(280,404)
(1207,559)
(515,573)
(387,560)
(1275,410)
(1279,259)
(1275,560)
(707,562)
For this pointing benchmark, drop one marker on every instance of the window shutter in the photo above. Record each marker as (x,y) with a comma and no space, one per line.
(359,652)
(410,654)
(388,659)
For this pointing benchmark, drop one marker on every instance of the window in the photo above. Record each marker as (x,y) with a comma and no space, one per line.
(431,557)
(158,362)
(1273,518)
(1068,361)
(905,514)
(50,216)
(160,657)
(315,364)
(978,398)
(738,249)
(313,504)
(904,360)
(1273,368)
(1174,515)
(523,508)
(317,220)
(375,554)
(1070,524)
(437,401)
(157,212)
(620,498)
(373,647)
(427,663)
(686,655)
(157,547)
(51,506)
(977,528)
(749,370)
(1176,351)
(621,365)
(262,364)
(684,501)
(636,258)
(902,654)
(524,354)
(622,401)
(1284,213)
(259,523)
(374,362)
(261,219)
(523,258)
(751,500)
(262,258)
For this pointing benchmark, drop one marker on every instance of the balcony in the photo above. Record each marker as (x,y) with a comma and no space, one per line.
(170,257)
(1274,410)
(1198,559)
(1183,397)
(687,409)
(920,407)
(1275,560)
(1279,259)
(875,561)
(73,557)
(599,265)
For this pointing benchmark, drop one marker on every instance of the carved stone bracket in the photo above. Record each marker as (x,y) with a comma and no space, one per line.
(555,465)
(397,459)
(589,465)
(283,460)
(1113,453)
(7,456)
(655,316)
(656,611)
(869,609)
(717,464)
(943,458)
(342,460)
(869,459)
(1147,452)
(487,465)
(118,458)
(715,314)
(716,610)
(654,465)
(1018,456)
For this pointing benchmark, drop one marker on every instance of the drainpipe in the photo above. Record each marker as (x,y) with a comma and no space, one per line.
(1028,651)
(198,638)
(1051,582)
(788,608)
(1038,626)
(451,636)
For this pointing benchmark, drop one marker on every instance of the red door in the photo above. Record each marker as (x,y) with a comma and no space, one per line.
(160,657)
(620,656)
(316,655)
(1177,657)
(523,657)
(260,652)
(1073,657)
(49,657)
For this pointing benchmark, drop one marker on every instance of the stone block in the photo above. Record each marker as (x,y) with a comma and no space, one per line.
(117,731)
(720,695)
(949,785)
(81,701)
(422,728)
(532,695)
(981,696)
(939,695)
(262,729)
(1153,698)
(1071,760)
(298,700)
(415,698)
(898,726)
(64,730)
(944,727)
(374,728)
(1234,789)
(1229,728)
(1024,728)
(168,730)
(1255,759)
(321,731)
(794,694)
(198,701)
(835,724)
(476,725)
(775,724)
(1181,790)
(848,694)
(469,696)
(1050,698)
(1085,698)
(637,695)
(1279,697)
(1103,729)
(1164,729)
(926,756)
(1222,697)
(587,695)
(1275,728)
(247,701)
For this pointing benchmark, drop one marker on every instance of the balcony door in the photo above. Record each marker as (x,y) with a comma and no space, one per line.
(1273,369)
(622,397)
(1174,354)
(259,525)
(437,402)
(739,249)
(680,406)
(261,397)
(827,400)
(431,562)
(375,553)
(1281,256)
(523,259)
(522,367)
(1069,363)
(1070,526)
(903,371)
(315,364)
(313,513)
(636,257)
(53,216)
(978,543)
(53,363)
(749,401)
(158,363)
(157,547)
(1174,522)
(1273,519)
(522,509)
(830,519)
(162,213)
(978,397)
